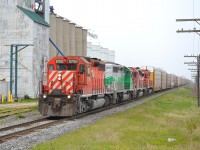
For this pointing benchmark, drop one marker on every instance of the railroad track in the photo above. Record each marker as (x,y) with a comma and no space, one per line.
(7,113)
(21,133)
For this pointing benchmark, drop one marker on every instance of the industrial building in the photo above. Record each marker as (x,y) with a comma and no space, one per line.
(26,26)
(19,24)
(95,50)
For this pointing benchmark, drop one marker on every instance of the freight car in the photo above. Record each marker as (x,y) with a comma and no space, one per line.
(78,84)
(169,78)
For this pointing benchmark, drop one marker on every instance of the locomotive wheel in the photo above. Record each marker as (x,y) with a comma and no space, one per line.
(107,103)
(129,96)
(144,92)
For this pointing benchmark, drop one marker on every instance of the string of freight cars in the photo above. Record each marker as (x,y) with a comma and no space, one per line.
(76,84)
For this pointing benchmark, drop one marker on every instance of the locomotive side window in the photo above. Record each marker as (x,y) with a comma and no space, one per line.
(115,69)
(135,74)
(71,67)
(61,67)
(51,67)
(101,67)
(81,69)
(89,71)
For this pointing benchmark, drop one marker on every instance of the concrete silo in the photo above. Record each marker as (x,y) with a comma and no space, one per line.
(59,32)
(71,39)
(96,51)
(111,55)
(78,41)
(84,42)
(104,54)
(89,49)
(66,37)
(52,30)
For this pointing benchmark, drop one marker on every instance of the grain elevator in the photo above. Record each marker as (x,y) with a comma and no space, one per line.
(20,24)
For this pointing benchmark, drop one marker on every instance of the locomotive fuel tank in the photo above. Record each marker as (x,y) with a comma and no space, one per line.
(98,103)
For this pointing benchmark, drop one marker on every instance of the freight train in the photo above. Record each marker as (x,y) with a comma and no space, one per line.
(76,84)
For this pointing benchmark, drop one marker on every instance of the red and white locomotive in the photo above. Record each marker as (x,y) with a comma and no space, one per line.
(75,84)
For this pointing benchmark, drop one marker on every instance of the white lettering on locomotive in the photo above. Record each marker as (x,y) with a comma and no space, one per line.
(59,61)
(73,61)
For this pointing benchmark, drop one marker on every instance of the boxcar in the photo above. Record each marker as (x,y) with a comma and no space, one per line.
(173,80)
(164,79)
(169,76)
(176,81)
(180,81)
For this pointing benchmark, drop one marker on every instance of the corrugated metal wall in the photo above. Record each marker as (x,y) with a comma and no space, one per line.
(4,88)
(102,53)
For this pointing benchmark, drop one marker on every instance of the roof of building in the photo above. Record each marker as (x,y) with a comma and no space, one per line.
(34,16)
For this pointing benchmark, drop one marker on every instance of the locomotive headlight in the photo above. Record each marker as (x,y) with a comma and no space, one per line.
(59,77)
(44,96)
(69,96)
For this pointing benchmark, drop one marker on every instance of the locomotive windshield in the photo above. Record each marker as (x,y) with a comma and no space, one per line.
(61,67)
(71,66)
(51,67)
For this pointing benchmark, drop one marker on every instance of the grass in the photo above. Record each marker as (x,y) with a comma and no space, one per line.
(19,116)
(148,126)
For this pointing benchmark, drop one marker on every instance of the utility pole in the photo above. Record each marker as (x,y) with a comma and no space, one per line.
(195,70)
(188,31)
(197,57)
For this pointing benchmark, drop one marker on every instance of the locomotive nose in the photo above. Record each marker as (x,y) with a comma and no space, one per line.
(56,105)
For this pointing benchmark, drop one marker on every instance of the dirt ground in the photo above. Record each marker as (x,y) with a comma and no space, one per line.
(17,105)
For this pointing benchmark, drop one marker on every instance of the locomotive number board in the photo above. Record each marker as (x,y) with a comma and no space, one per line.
(59,61)
(73,61)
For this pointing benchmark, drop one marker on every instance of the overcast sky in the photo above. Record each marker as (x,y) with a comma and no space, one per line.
(142,32)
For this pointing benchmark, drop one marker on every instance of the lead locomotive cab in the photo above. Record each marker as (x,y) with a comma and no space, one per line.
(59,96)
